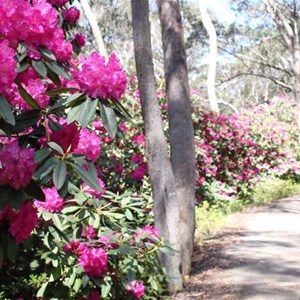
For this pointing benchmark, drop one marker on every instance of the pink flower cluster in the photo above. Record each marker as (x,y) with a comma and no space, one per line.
(80,39)
(67,137)
(8,65)
(17,165)
(53,202)
(92,192)
(148,232)
(21,222)
(88,145)
(71,15)
(94,261)
(135,288)
(100,79)
(58,3)
(36,24)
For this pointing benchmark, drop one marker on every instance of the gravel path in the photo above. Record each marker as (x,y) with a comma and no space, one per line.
(256,258)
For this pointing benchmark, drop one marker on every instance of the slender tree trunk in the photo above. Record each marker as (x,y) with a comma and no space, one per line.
(94,26)
(296,86)
(180,124)
(213,51)
(166,209)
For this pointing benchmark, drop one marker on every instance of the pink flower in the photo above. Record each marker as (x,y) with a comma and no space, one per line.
(93,192)
(137,158)
(94,295)
(8,66)
(71,15)
(58,2)
(89,232)
(53,202)
(94,261)
(136,289)
(100,79)
(22,222)
(146,233)
(89,145)
(17,165)
(67,137)
(118,168)
(80,39)
(139,139)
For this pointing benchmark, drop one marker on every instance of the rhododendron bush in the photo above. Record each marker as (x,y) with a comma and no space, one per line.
(233,153)
(62,234)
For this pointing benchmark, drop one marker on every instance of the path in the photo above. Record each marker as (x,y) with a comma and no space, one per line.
(256,258)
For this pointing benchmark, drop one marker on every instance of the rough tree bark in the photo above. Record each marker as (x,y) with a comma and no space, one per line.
(166,209)
(94,26)
(213,51)
(180,124)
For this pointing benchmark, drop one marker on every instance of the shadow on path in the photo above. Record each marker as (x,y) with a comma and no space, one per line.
(257,257)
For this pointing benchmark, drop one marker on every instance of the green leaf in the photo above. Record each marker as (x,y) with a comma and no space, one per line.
(63,191)
(27,97)
(74,114)
(47,216)
(5,111)
(54,67)
(128,214)
(70,209)
(74,99)
(88,177)
(47,54)
(57,222)
(39,67)
(77,285)
(8,195)
(88,111)
(40,155)
(60,174)
(85,280)
(55,274)
(54,126)
(41,291)
(11,247)
(46,167)
(59,91)
(22,67)
(123,110)
(33,190)
(56,147)
(108,119)
(53,76)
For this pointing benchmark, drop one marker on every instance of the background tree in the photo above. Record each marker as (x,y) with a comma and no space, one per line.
(180,123)
(162,179)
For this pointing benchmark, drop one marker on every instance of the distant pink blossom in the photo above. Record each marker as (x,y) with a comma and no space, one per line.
(89,232)
(71,15)
(80,39)
(92,192)
(135,288)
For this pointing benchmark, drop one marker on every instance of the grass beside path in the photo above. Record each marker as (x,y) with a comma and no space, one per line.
(210,219)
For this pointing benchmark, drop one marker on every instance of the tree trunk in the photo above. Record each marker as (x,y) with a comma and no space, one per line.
(180,124)
(296,84)
(166,209)
(94,26)
(213,51)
